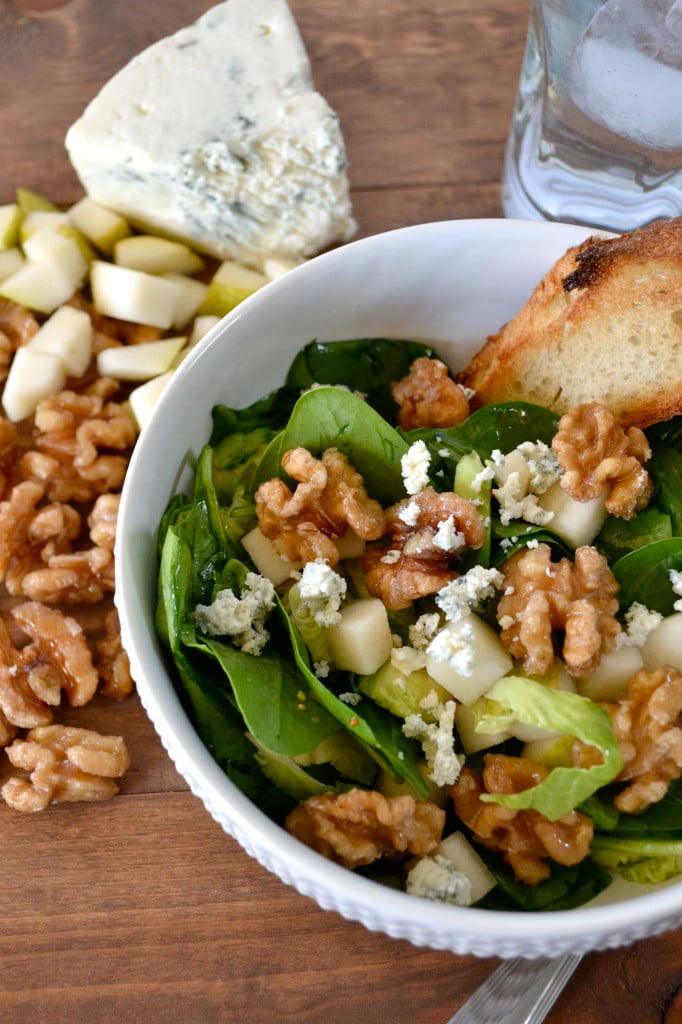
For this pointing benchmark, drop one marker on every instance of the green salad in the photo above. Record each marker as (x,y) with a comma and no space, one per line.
(305,686)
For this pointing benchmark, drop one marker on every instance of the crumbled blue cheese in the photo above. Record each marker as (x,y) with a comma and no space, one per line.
(322,591)
(410,514)
(437,878)
(447,537)
(640,621)
(468,591)
(437,739)
(216,135)
(424,629)
(415,467)
(517,492)
(242,617)
(456,649)
(676,583)
(408,659)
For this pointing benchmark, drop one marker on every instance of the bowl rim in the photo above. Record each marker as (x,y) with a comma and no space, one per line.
(332,886)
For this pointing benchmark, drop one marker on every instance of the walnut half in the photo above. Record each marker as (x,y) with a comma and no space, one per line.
(360,826)
(541,597)
(599,456)
(526,838)
(64,765)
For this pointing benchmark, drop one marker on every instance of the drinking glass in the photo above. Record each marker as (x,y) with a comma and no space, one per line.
(596,136)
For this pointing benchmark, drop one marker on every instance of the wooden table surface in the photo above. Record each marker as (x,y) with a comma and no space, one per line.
(141,908)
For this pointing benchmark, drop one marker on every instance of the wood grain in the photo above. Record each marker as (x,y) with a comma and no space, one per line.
(143,908)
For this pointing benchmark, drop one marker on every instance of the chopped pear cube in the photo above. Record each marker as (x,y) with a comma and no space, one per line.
(139,362)
(608,680)
(459,851)
(10,261)
(578,522)
(230,285)
(267,558)
(201,326)
(361,640)
(46,283)
(134,295)
(664,644)
(68,335)
(465,723)
(10,219)
(38,220)
(100,225)
(156,255)
(33,376)
(276,266)
(29,201)
(192,295)
(467,657)
(462,855)
(143,399)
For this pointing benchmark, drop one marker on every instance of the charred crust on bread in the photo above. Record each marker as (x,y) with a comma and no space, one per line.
(597,257)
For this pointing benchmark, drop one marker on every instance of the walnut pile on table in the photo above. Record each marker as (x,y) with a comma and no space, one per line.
(61,472)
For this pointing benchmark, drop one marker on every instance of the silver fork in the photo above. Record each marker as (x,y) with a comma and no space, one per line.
(518,992)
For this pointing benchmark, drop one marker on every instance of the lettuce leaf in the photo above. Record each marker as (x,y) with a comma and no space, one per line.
(534,704)
(638,860)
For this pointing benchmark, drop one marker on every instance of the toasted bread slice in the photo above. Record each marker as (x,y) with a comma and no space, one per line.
(604,324)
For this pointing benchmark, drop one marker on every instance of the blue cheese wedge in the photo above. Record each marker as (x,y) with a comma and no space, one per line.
(217,136)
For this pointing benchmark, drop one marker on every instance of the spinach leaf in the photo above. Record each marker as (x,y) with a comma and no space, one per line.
(662,817)
(271,412)
(665,466)
(643,575)
(503,426)
(566,887)
(269,692)
(378,730)
(618,537)
(330,418)
(368,365)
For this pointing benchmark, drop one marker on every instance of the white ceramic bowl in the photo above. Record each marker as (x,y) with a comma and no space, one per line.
(450,283)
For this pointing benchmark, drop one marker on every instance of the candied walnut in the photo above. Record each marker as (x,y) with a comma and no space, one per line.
(102,521)
(7,730)
(113,664)
(598,455)
(17,323)
(360,826)
(74,438)
(9,474)
(30,536)
(646,721)
(65,764)
(23,686)
(57,641)
(80,576)
(526,838)
(541,596)
(427,533)
(330,498)
(429,397)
